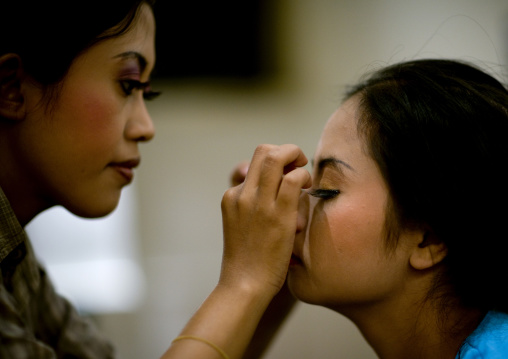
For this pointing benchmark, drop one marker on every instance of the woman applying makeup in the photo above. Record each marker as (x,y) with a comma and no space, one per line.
(73,85)
(72,115)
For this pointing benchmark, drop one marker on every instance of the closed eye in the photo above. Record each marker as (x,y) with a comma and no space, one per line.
(324,193)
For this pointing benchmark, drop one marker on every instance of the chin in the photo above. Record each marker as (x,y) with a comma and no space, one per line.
(93,210)
(96,213)
(299,290)
(306,290)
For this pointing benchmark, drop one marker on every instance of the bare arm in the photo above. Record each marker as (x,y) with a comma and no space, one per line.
(279,308)
(259,222)
(273,318)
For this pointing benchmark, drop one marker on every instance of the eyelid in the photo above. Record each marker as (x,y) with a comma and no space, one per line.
(323,193)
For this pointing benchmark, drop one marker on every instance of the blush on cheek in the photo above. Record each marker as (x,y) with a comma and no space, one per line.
(87,118)
(97,114)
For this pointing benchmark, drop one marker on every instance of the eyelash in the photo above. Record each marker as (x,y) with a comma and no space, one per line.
(324,194)
(130,85)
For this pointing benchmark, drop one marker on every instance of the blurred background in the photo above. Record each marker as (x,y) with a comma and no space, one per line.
(233,76)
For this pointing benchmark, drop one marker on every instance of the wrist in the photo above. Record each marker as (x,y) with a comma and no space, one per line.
(227,319)
(251,293)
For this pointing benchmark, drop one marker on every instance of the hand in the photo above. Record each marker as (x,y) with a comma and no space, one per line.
(259,218)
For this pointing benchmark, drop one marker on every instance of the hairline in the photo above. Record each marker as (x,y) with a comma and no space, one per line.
(52,91)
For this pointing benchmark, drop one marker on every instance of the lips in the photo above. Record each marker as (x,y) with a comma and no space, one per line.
(126,168)
(295,260)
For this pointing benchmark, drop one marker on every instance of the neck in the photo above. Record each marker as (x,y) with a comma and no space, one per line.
(403,330)
(19,190)
(22,203)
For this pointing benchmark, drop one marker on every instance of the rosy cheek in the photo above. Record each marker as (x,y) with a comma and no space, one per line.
(98,113)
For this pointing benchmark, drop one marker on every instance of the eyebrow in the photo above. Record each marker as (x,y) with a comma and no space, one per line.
(134,55)
(332,161)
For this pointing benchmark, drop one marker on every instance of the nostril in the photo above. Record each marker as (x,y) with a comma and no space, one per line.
(145,138)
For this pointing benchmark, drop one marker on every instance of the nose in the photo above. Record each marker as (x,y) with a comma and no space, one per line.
(303,213)
(140,125)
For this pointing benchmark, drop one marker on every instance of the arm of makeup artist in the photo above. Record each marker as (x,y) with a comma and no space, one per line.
(259,224)
(280,306)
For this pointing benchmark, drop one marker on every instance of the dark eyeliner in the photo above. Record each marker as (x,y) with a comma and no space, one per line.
(130,85)
(150,95)
(324,193)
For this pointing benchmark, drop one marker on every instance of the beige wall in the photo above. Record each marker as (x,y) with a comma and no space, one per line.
(204,129)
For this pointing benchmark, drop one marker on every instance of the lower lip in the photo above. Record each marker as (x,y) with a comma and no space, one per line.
(125,172)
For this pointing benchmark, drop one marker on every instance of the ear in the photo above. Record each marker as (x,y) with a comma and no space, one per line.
(429,252)
(11,97)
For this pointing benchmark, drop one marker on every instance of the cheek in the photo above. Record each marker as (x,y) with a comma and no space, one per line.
(345,252)
(345,232)
(93,114)
(359,226)
(325,244)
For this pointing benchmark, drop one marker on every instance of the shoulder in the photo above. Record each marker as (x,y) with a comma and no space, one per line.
(489,340)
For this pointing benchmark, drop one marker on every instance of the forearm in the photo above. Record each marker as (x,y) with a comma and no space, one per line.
(227,318)
(259,224)
(272,320)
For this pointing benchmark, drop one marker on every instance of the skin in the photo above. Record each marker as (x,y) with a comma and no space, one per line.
(80,149)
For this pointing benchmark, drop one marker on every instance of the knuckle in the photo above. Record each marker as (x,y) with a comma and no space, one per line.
(291,147)
(297,177)
(263,148)
(273,157)
(291,180)
(228,198)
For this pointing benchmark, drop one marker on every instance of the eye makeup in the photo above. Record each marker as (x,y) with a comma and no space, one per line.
(324,194)
(130,75)
(128,86)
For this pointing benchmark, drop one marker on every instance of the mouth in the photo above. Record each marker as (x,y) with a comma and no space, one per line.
(126,168)
(295,260)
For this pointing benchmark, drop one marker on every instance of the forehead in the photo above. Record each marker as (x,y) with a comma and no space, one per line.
(141,35)
(139,39)
(340,135)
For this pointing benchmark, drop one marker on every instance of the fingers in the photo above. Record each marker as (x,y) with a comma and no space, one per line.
(260,216)
(269,165)
(290,187)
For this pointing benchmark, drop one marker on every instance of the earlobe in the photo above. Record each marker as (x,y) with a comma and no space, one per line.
(429,252)
(11,97)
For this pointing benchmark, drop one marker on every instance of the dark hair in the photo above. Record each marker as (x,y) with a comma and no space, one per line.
(437,130)
(49,35)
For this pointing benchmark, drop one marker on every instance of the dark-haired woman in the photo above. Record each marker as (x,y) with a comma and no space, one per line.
(73,81)
(403,230)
